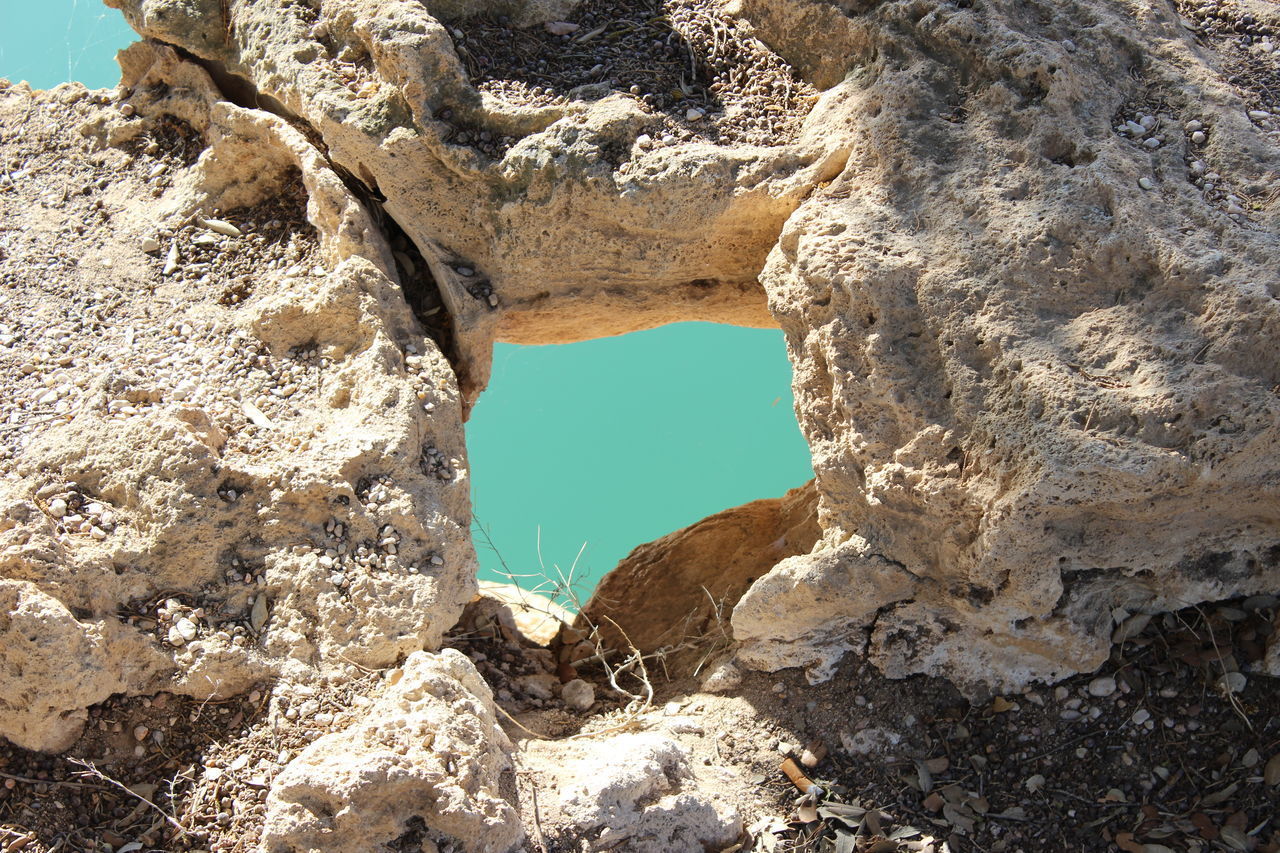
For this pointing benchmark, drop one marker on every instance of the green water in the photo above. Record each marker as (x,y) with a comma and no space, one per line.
(47,42)
(618,441)
(608,443)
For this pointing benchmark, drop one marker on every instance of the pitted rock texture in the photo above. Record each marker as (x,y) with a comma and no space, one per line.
(427,758)
(578,229)
(634,792)
(1031,347)
(217,413)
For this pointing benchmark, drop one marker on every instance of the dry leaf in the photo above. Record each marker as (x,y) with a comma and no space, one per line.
(1271,773)
(1000,704)
(1124,840)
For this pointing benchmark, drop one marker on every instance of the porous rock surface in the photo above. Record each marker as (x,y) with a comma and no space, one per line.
(429,747)
(1032,350)
(219,474)
(636,792)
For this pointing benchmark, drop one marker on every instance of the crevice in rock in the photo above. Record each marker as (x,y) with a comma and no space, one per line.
(421,290)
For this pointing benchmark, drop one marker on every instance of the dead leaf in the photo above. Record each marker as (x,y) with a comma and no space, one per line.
(1124,840)
(1208,829)
(938,765)
(1220,796)
(1271,773)
(933,802)
(958,817)
(1000,705)
(1234,838)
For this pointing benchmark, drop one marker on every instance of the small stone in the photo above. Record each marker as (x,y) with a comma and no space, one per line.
(693,114)
(1259,115)
(1146,183)
(1147,122)
(1233,682)
(560,28)
(150,244)
(1194,125)
(1153,143)
(578,695)
(220,226)
(1140,716)
(465,272)
(1198,137)
(175,636)
(186,628)
(57,508)
(140,733)
(1135,129)
(1102,686)
(127,110)
(157,170)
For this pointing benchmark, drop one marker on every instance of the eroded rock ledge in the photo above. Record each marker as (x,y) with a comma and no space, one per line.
(1023,255)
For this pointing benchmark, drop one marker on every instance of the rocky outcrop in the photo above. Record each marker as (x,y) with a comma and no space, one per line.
(1022,254)
(680,589)
(1029,327)
(543,217)
(426,759)
(231,453)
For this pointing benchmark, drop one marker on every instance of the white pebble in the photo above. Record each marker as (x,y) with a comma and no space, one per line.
(1153,142)
(57,507)
(1146,183)
(1259,115)
(1194,125)
(1102,686)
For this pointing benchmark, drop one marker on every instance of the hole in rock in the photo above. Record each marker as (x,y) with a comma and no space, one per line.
(615,442)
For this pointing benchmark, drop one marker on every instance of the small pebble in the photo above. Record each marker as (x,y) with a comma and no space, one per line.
(1146,183)
(1102,686)
(1153,142)
(1198,137)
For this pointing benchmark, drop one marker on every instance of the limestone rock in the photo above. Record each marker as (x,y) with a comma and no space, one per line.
(1036,394)
(428,749)
(536,617)
(684,585)
(633,791)
(236,483)
(575,230)
(54,666)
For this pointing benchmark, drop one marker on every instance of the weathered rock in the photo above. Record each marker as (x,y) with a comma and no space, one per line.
(636,792)
(683,586)
(217,442)
(536,617)
(577,232)
(429,748)
(1038,397)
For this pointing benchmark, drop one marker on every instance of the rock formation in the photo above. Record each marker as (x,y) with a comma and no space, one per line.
(1022,252)
(1028,339)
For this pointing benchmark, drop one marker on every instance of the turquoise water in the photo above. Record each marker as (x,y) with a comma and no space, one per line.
(617,441)
(588,449)
(47,42)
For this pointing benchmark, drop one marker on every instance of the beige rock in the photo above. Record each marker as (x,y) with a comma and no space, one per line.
(683,586)
(572,246)
(536,617)
(637,792)
(1034,393)
(157,439)
(429,748)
